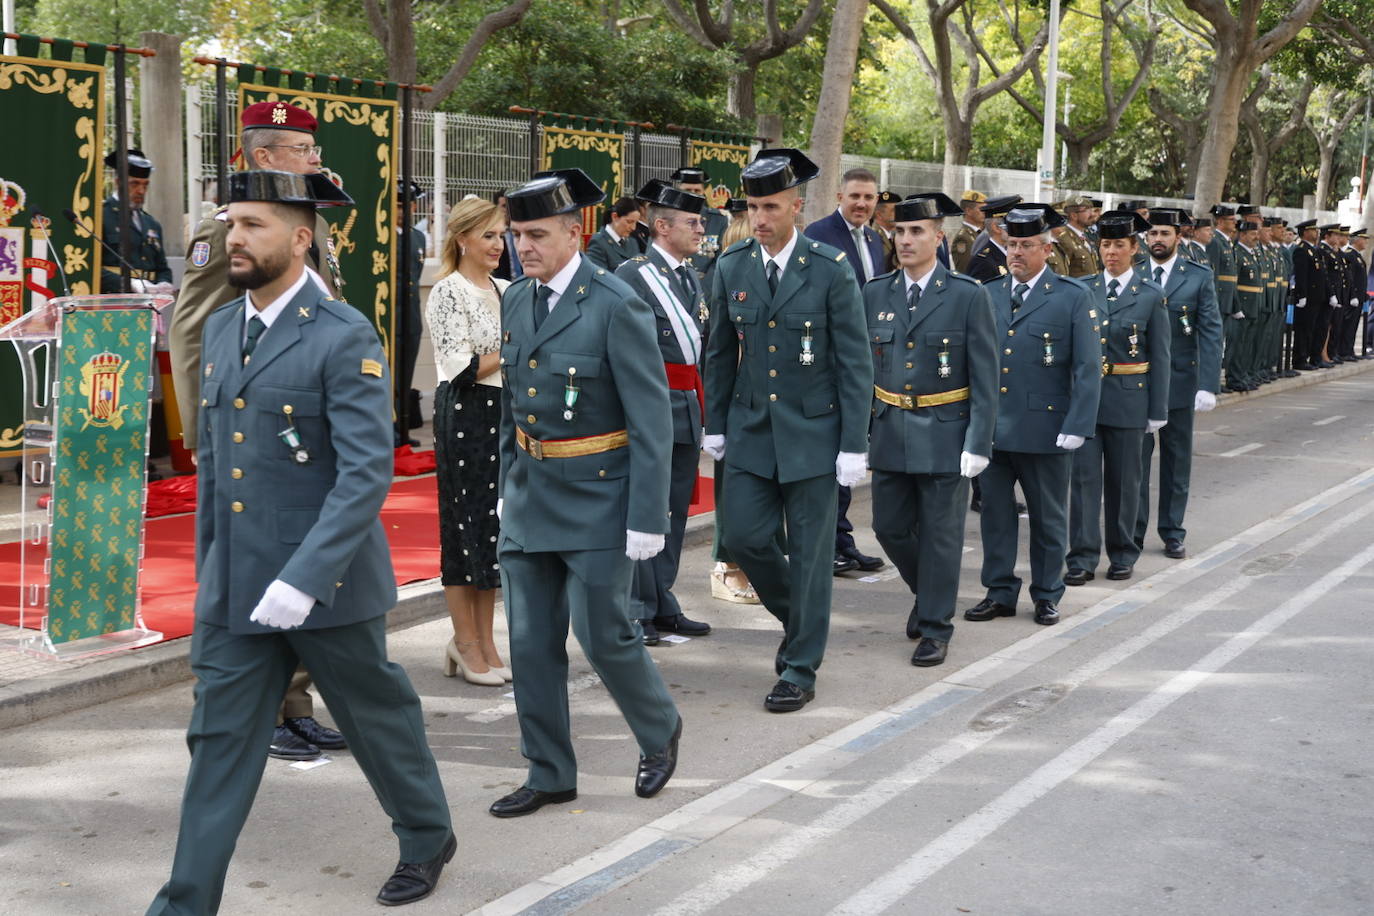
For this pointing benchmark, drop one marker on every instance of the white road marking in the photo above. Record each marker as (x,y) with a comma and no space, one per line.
(1241,450)
(893,887)
(1332,419)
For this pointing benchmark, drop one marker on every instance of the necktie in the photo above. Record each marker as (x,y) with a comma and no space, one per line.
(913,296)
(865,260)
(541,304)
(772,276)
(1112,289)
(688,281)
(1018,296)
(250,343)
(1159,275)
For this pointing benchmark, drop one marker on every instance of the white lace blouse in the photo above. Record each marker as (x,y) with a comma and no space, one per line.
(463,321)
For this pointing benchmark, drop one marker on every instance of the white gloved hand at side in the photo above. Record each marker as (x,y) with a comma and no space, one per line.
(971,465)
(282,606)
(1302,302)
(850,467)
(141,286)
(500,504)
(1354,303)
(1069,443)
(714,446)
(1204,401)
(1333,301)
(1237,314)
(1154,426)
(641,546)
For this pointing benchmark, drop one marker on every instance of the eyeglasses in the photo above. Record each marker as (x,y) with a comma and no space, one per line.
(302,151)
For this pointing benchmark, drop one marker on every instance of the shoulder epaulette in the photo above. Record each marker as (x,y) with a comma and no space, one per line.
(741,245)
(1073,281)
(890,273)
(828,251)
(956,275)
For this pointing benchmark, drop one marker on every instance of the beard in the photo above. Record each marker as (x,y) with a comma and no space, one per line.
(259,273)
(1161,252)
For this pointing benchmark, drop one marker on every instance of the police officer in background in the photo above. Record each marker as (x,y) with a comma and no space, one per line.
(615,242)
(935,401)
(147,255)
(883,223)
(1309,292)
(1080,258)
(695,181)
(989,261)
(414,325)
(1329,315)
(1355,285)
(1241,323)
(961,249)
(1051,376)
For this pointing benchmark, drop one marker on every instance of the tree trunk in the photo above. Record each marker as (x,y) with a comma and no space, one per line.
(740,100)
(958,147)
(1080,151)
(1328,158)
(1232,73)
(1259,173)
(832,108)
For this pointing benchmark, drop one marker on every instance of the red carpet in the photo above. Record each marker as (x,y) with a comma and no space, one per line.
(409,516)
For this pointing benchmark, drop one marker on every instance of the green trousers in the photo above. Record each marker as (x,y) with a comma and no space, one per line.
(240,681)
(919,521)
(1175,472)
(1104,495)
(1044,480)
(651,594)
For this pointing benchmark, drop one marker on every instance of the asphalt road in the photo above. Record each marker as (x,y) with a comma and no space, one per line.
(1199,739)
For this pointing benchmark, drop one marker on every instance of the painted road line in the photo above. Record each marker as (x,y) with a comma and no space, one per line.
(1236,452)
(1332,419)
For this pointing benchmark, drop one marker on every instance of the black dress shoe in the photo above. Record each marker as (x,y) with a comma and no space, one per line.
(312,732)
(656,769)
(787,697)
(525,800)
(929,653)
(1289,373)
(1173,549)
(913,624)
(987,609)
(1304,367)
(682,624)
(1325,364)
(1079,576)
(778,665)
(1117,572)
(287,745)
(1046,614)
(413,881)
(651,636)
(844,564)
(863,561)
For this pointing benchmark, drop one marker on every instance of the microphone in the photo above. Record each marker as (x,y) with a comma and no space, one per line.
(70,214)
(38,217)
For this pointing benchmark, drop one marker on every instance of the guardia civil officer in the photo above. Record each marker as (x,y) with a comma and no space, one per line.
(295,460)
(789,386)
(1221,254)
(935,401)
(281,137)
(615,243)
(586,449)
(1240,324)
(1195,356)
(989,261)
(147,255)
(1051,378)
(1105,491)
(971,208)
(695,181)
(883,225)
(663,278)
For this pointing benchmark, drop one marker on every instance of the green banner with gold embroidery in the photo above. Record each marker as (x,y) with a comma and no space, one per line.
(597,153)
(359,137)
(104,380)
(53,114)
(723,162)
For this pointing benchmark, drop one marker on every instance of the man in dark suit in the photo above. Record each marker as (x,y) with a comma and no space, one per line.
(935,400)
(295,461)
(847,229)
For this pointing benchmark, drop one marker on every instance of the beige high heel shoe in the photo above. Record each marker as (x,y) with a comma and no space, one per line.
(724,591)
(453,663)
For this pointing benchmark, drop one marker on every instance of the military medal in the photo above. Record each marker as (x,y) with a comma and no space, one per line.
(806,357)
(1134,341)
(570,393)
(1185,324)
(292,439)
(1049,350)
(943,371)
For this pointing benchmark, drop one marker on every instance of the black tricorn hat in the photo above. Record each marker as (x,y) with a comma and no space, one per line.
(1202,222)
(1132,203)
(1247,210)
(140,166)
(1273,221)
(1222,210)
(1026,220)
(891,197)
(314,190)
(662,194)
(691,175)
(998,205)
(1168,216)
(926,206)
(1246,225)
(1121,224)
(551,193)
(738,205)
(775,170)
(416,192)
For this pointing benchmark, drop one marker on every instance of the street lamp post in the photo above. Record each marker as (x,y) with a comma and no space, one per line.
(1045,186)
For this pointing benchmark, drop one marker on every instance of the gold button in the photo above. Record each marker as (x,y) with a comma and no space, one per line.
(910,365)
(772,324)
(532,392)
(772,373)
(236,473)
(238,402)
(204,402)
(338,585)
(1049,407)
(1006,369)
(1011,333)
(236,506)
(906,387)
(1140,384)
(534,364)
(238,437)
(910,345)
(1004,390)
(772,349)
(772,397)
(1104,340)
(529,419)
(601,473)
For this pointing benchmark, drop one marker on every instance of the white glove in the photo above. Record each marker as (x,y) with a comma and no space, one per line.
(1154,426)
(850,467)
(1333,301)
(282,606)
(714,446)
(641,546)
(1237,314)
(1069,443)
(1204,401)
(1302,302)
(161,289)
(500,503)
(1355,303)
(141,286)
(971,465)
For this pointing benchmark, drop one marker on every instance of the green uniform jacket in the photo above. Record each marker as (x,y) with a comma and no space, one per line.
(952,326)
(147,254)
(1135,329)
(1250,289)
(204,288)
(600,338)
(1221,254)
(1038,402)
(781,418)
(604,251)
(1190,295)
(262,515)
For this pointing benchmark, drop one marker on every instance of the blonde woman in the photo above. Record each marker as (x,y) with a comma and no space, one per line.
(464,313)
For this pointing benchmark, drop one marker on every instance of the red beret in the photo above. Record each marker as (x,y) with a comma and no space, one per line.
(279,116)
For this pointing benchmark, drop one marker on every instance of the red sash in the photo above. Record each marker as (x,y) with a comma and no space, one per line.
(685,377)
